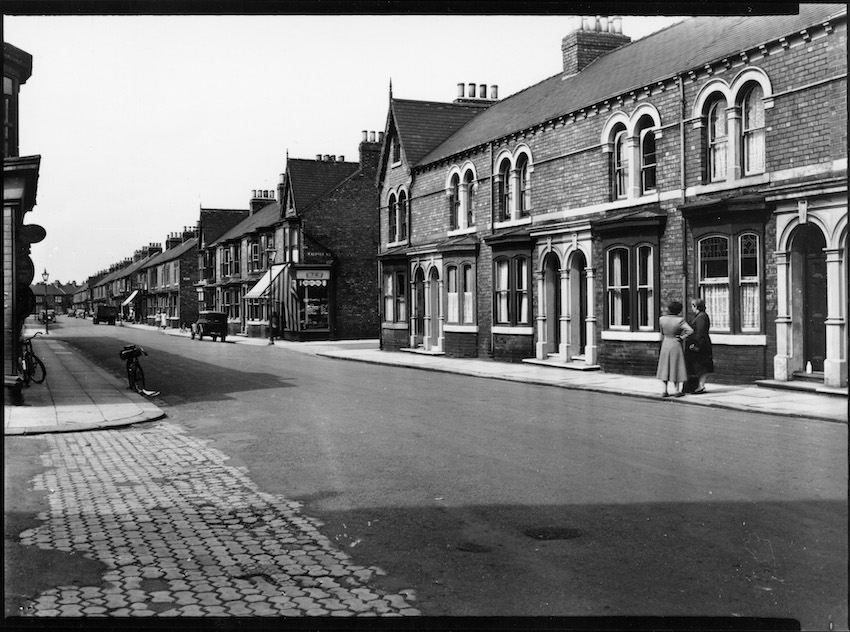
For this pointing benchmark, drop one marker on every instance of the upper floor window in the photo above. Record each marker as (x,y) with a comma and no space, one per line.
(396,149)
(717,141)
(402,215)
(730,281)
(469,191)
(454,203)
(254,256)
(648,161)
(292,238)
(392,216)
(753,130)
(511,283)
(504,192)
(620,164)
(523,193)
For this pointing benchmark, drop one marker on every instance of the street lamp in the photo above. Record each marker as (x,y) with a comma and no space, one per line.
(44,277)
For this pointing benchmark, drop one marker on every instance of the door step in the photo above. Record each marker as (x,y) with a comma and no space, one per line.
(804,386)
(813,377)
(422,351)
(557,364)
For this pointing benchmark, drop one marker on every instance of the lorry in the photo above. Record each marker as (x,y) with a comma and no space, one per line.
(105,314)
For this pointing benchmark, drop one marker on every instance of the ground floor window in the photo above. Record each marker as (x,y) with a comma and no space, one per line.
(460,308)
(630,287)
(395,296)
(511,294)
(313,300)
(730,281)
(231,303)
(255,309)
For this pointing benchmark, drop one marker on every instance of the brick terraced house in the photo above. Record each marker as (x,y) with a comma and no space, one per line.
(554,226)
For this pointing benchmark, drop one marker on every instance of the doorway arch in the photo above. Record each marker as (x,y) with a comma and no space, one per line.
(552,301)
(432,314)
(808,297)
(418,308)
(578,304)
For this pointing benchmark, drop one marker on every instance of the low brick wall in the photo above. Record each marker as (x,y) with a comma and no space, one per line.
(509,348)
(394,339)
(460,345)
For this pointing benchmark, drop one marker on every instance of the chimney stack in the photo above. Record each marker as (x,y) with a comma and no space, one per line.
(596,36)
(259,199)
(466,94)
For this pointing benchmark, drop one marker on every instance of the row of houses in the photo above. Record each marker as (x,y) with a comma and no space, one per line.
(555,225)
(298,263)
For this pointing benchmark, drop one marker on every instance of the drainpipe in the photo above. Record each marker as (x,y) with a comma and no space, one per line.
(492,231)
(683,183)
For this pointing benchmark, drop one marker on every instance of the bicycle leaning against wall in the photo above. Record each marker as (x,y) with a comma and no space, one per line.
(135,375)
(32,368)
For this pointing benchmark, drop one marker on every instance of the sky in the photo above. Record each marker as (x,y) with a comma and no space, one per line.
(142,120)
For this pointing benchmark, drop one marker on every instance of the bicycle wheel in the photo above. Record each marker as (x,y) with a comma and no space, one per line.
(37,370)
(140,378)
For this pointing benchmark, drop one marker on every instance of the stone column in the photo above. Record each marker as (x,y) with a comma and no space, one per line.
(633,152)
(540,347)
(835,364)
(590,349)
(782,369)
(441,317)
(734,169)
(564,316)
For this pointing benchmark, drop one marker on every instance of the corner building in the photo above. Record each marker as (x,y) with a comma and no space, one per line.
(553,226)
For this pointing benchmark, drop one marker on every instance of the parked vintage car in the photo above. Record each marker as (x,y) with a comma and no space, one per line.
(51,316)
(105,314)
(80,313)
(212,324)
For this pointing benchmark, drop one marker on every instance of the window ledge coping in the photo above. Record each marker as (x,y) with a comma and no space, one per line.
(724,185)
(633,336)
(396,244)
(739,340)
(461,329)
(514,222)
(462,231)
(391,325)
(515,331)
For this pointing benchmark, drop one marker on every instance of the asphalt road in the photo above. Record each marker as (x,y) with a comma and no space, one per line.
(497,498)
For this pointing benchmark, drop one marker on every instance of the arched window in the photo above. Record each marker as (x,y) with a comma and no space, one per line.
(504,181)
(392,214)
(523,191)
(714,280)
(752,130)
(454,202)
(468,187)
(648,161)
(620,165)
(717,141)
(402,215)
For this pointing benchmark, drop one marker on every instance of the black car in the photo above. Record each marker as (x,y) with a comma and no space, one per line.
(212,324)
(105,314)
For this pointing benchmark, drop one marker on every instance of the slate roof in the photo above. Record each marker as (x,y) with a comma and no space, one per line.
(39,289)
(173,253)
(264,218)
(678,48)
(217,221)
(422,125)
(308,180)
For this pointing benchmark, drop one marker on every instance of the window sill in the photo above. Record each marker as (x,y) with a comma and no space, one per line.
(738,340)
(461,231)
(513,222)
(396,244)
(513,331)
(632,336)
(461,329)
(390,325)
(712,187)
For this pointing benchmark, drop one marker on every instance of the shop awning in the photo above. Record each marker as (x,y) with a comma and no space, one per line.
(130,298)
(261,289)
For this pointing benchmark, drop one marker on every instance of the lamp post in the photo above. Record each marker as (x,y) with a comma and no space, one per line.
(44,277)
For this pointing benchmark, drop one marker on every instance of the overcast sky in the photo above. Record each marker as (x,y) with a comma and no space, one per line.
(141,120)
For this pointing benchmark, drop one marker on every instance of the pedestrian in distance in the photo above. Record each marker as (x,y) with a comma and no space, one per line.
(699,354)
(671,359)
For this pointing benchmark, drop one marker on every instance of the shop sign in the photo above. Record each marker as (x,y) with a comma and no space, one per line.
(313,275)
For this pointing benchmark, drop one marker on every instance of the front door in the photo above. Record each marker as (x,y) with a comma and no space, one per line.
(552,288)
(418,308)
(808,253)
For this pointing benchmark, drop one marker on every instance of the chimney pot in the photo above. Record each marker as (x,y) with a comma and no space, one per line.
(327,157)
(333,157)
(365,135)
(460,88)
(380,137)
(280,179)
(371,137)
(341,158)
(471,91)
(318,156)
(494,92)
(603,24)
(253,193)
(482,91)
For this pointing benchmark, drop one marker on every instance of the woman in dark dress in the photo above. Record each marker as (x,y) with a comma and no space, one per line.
(700,358)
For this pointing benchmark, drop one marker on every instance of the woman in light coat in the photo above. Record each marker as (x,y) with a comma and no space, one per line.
(671,359)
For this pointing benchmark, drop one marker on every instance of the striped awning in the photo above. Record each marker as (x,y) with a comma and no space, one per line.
(130,298)
(261,289)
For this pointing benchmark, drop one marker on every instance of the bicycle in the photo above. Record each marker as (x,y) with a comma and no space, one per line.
(135,374)
(32,368)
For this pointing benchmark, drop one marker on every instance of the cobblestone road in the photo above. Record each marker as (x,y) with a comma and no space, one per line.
(183,534)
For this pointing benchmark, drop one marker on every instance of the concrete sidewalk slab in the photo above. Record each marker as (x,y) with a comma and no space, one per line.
(75,396)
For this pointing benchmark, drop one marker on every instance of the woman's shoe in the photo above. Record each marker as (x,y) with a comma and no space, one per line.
(666,395)
(679,394)
(699,391)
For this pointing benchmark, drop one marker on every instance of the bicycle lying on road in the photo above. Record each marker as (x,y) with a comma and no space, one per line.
(32,368)
(135,373)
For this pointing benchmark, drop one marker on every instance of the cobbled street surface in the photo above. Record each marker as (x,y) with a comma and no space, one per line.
(183,534)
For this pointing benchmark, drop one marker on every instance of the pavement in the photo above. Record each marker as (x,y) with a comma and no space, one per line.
(77,395)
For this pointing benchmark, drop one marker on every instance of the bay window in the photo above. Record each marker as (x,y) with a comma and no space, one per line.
(395,290)
(729,270)
(512,300)
(631,302)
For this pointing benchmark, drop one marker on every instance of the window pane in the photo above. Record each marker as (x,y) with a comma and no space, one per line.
(502,291)
(748,248)
(468,305)
(646,304)
(648,162)
(618,288)
(522,290)
(717,141)
(753,131)
(621,165)
(453,305)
